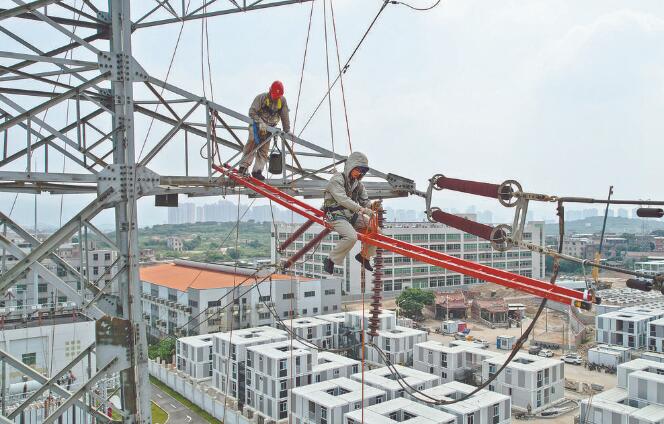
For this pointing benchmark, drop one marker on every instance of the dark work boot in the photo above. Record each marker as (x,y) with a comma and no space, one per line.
(364,261)
(242,170)
(328,266)
(258,175)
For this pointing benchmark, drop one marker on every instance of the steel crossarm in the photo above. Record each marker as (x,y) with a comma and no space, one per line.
(483,272)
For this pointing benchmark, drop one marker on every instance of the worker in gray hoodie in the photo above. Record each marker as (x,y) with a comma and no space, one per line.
(348,208)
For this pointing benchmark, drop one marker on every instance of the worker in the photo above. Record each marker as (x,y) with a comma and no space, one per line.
(266,110)
(347,209)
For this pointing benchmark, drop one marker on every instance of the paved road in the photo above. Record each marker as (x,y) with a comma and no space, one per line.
(177,413)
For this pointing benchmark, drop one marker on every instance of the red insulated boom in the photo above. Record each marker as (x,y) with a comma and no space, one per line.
(486,273)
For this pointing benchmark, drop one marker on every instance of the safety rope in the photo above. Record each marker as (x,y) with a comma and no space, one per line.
(329,97)
(341,79)
(304,62)
(346,66)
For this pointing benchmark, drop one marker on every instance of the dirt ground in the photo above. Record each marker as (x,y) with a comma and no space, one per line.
(550,327)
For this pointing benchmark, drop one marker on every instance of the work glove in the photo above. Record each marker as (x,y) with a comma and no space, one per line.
(377,204)
(366,211)
(262,128)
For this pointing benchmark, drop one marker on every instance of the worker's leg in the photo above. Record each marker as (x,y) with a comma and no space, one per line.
(262,155)
(361,225)
(247,152)
(348,237)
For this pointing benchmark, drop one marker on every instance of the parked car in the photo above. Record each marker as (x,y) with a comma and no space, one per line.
(534,350)
(481,342)
(460,336)
(545,353)
(572,358)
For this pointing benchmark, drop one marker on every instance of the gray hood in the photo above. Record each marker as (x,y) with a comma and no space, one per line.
(355,159)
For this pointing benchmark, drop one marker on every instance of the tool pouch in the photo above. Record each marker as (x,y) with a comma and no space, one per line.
(275,165)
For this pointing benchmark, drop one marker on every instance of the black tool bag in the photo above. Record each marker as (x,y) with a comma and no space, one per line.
(275,165)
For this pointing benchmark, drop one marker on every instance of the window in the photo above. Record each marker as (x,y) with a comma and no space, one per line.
(42,287)
(387,344)
(309,293)
(315,310)
(107,256)
(329,292)
(263,315)
(304,311)
(443,360)
(193,303)
(283,411)
(214,303)
(264,299)
(288,296)
(496,413)
(323,415)
(470,419)
(29,359)
(539,399)
(95,256)
(95,270)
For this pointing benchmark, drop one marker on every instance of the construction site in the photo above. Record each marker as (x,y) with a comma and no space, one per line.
(362,294)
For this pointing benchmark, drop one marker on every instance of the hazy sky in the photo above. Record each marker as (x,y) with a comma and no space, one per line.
(564,96)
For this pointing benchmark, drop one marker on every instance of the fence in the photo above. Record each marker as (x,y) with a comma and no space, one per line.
(205,397)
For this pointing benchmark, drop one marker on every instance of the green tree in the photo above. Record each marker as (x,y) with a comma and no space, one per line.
(165,349)
(411,302)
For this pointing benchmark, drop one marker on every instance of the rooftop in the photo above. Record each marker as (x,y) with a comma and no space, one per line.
(455,390)
(181,277)
(384,378)
(406,410)
(329,360)
(304,322)
(253,335)
(197,341)
(336,392)
(281,350)
(525,361)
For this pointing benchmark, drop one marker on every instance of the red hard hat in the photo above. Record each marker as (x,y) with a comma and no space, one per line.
(276,90)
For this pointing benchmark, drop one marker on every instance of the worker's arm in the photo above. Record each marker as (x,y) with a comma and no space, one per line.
(285,119)
(363,197)
(255,107)
(337,189)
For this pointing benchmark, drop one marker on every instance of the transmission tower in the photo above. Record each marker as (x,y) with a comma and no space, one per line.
(72,91)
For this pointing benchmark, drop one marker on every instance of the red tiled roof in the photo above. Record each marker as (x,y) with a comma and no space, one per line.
(181,277)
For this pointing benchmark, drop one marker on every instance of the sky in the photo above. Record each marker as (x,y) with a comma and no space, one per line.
(564,97)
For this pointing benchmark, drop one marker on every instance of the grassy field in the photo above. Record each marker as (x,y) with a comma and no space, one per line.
(177,396)
(210,241)
(159,416)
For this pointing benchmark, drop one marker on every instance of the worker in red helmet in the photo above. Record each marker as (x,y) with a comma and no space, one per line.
(266,111)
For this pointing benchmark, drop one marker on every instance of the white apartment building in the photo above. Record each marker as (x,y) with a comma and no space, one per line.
(650,267)
(450,363)
(274,368)
(32,292)
(534,383)
(328,402)
(638,397)
(355,320)
(397,411)
(193,356)
(314,330)
(330,366)
(397,344)
(484,407)
(47,346)
(628,327)
(174,293)
(656,335)
(230,358)
(383,379)
(401,272)
(338,322)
